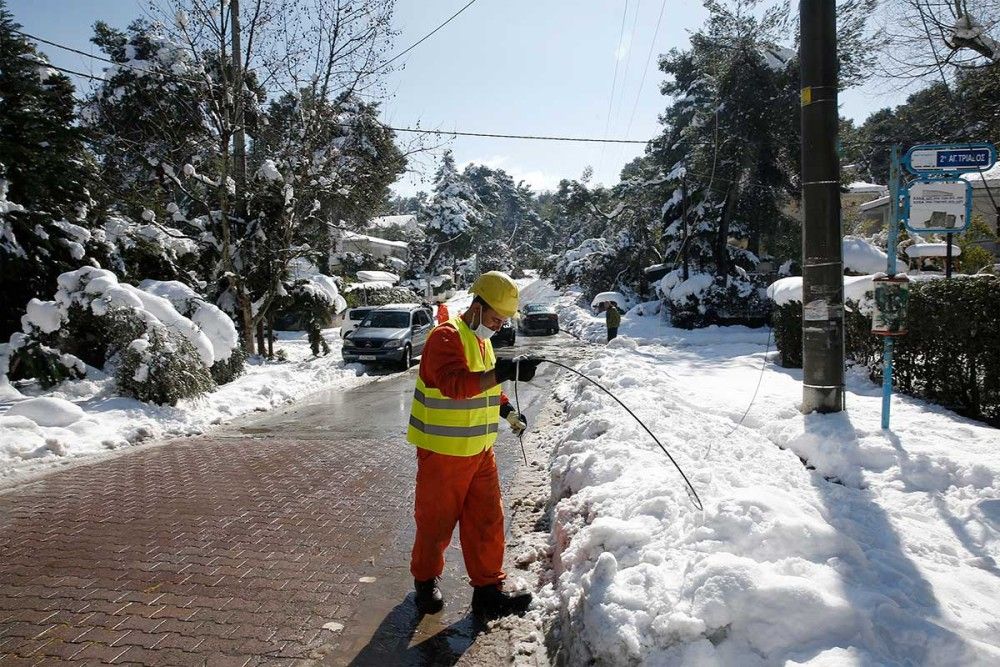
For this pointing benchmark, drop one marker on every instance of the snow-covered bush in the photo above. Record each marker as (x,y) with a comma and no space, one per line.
(31,358)
(97,320)
(162,366)
(229,356)
(963,374)
(705,299)
(314,302)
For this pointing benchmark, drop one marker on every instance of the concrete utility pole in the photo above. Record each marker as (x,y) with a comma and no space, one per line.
(822,254)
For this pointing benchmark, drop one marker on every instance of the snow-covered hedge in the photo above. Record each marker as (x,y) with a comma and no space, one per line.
(950,355)
(156,353)
(704,299)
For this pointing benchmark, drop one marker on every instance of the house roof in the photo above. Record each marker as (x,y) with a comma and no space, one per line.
(374,240)
(392,221)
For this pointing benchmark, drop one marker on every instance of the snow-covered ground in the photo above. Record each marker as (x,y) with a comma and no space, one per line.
(85,417)
(824,540)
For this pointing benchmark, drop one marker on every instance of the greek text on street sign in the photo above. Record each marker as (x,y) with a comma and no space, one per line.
(941,206)
(954,158)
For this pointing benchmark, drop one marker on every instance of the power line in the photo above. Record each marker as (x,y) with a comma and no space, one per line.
(645,69)
(108,60)
(422,39)
(494,135)
(61,69)
(614,79)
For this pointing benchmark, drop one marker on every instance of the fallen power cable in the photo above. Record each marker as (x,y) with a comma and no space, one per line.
(692,494)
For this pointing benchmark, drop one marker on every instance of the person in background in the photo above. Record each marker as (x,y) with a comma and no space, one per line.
(613,318)
(442,313)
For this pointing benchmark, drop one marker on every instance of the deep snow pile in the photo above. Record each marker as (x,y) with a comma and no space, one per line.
(885,553)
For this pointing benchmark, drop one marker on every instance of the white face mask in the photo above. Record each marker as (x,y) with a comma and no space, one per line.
(482,331)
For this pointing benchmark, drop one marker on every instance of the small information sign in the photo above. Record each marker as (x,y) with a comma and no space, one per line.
(938,206)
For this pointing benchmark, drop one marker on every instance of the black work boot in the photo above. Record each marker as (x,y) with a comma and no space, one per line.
(490,602)
(429,599)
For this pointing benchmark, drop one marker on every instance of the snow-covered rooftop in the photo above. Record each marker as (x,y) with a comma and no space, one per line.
(875,203)
(979,179)
(392,221)
(354,236)
(862,187)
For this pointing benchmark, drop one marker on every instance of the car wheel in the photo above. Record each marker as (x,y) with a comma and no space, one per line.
(407,358)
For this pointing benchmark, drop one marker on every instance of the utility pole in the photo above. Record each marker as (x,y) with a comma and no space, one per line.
(822,253)
(239,131)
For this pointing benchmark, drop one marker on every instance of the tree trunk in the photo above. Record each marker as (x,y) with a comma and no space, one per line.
(239,133)
(722,240)
(270,338)
(260,338)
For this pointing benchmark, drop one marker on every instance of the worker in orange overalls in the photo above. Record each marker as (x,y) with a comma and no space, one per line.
(442,313)
(454,421)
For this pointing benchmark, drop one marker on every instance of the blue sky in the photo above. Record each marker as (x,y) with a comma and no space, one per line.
(513,66)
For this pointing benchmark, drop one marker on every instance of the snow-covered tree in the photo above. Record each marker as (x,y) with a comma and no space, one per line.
(45,175)
(453,216)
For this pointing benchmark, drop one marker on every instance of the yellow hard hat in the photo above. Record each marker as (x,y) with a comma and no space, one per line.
(498,290)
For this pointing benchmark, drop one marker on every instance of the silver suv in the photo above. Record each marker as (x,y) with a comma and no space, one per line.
(389,334)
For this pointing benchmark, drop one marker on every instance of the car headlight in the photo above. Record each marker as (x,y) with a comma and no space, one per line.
(348,342)
(392,343)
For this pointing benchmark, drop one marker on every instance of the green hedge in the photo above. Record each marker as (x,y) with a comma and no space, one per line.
(950,356)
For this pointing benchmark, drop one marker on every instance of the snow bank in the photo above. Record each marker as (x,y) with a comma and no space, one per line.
(886,553)
(860,256)
(85,418)
(47,411)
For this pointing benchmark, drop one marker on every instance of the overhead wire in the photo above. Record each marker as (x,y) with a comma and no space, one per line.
(422,39)
(614,83)
(167,75)
(645,69)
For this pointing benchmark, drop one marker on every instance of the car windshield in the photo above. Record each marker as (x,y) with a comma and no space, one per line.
(360,313)
(387,319)
(536,308)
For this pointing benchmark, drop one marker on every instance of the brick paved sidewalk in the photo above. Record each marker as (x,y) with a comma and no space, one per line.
(204,551)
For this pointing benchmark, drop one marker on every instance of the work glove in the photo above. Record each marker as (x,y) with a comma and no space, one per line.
(518,422)
(506,369)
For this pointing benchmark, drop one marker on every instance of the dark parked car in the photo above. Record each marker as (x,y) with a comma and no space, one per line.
(505,336)
(389,334)
(539,318)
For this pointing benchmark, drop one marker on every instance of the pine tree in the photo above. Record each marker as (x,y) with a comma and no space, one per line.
(45,175)
(453,216)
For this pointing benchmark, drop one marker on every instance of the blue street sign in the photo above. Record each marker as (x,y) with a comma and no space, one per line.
(950,158)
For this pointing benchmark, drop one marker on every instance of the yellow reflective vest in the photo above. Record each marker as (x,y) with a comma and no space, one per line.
(457,427)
